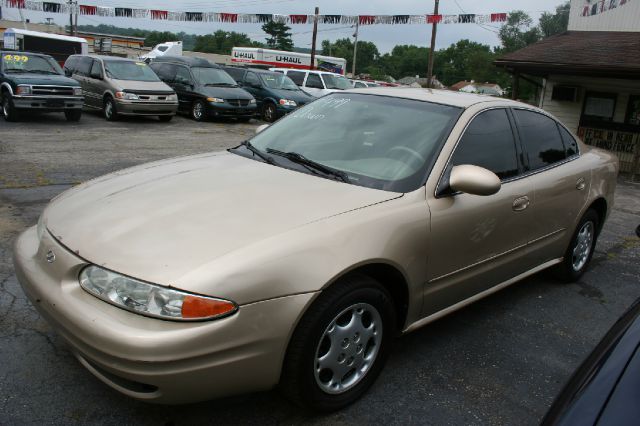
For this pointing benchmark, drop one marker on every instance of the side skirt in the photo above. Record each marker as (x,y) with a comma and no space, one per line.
(463,303)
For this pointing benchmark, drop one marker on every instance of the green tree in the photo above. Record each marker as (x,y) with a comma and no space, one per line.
(280,37)
(555,23)
(518,32)
(221,42)
(464,60)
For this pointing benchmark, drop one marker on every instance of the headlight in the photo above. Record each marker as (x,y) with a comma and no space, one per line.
(23,90)
(216,100)
(173,97)
(287,102)
(77,91)
(152,300)
(127,96)
(252,101)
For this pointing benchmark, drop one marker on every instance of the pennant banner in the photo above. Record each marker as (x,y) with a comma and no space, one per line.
(596,7)
(293,19)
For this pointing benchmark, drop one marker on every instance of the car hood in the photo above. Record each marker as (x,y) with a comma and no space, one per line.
(31,78)
(160,221)
(133,85)
(225,92)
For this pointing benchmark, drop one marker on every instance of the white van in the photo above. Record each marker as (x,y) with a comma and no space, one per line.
(316,83)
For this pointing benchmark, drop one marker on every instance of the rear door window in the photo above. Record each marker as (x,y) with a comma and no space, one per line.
(540,139)
(489,142)
(570,144)
(84,66)
(314,82)
(296,76)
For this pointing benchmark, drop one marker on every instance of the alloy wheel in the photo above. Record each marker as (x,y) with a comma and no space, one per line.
(583,245)
(348,348)
(198,110)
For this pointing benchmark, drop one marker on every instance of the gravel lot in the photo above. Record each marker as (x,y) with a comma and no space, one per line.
(499,361)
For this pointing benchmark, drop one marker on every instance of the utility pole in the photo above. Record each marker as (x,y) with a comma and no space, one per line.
(75,23)
(433,46)
(313,40)
(73,28)
(355,51)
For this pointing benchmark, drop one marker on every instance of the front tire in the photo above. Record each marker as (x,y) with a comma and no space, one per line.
(581,248)
(8,110)
(110,111)
(269,113)
(198,111)
(340,345)
(73,115)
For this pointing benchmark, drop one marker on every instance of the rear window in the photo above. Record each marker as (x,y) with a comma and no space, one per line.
(540,138)
(296,76)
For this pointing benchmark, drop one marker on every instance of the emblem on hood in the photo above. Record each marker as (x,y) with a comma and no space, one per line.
(51,256)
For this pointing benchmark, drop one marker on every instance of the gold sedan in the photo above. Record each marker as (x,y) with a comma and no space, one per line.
(295,258)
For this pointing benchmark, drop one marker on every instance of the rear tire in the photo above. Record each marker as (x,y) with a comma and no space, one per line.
(581,248)
(73,115)
(8,110)
(110,111)
(340,345)
(165,118)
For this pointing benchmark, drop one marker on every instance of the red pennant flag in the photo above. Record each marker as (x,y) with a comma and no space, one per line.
(87,10)
(366,19)
(298,19)
(160,14)
(229,17)
(434,19)
(498,17)
(18,4)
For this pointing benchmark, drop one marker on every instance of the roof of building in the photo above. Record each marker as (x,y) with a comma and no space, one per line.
(445,97)
(459,85)
(47,35)
(614,54)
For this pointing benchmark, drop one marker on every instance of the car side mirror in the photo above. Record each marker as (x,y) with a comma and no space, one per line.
(474,180)
(261,128)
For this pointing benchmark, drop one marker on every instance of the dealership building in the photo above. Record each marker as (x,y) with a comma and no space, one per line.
(590,76)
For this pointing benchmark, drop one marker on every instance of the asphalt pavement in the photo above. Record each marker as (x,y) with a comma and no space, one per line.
(500,361)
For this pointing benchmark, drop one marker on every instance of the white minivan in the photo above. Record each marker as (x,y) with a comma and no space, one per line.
(316,83)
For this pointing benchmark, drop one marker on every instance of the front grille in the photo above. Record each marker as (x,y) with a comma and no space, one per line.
(238,102)
(52,90)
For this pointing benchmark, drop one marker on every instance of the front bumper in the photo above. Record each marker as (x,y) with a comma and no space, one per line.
(151,359)
(48,103)
(146,108)
(226,110)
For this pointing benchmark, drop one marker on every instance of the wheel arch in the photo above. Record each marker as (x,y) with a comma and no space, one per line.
(600,206)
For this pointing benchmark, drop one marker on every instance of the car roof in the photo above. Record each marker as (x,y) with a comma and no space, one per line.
(313,71)
(106,57)
(446,97)
(187,60)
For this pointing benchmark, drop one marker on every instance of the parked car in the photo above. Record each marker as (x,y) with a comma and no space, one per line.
(604,390)
(361,84)
(297,257)
(275,94)
(204,89)
(31,82)
(316,83)
(120,86)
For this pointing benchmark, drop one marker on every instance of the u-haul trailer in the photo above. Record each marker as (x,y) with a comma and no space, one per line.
(282,59)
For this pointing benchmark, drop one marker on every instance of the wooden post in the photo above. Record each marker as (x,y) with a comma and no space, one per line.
(355,51)
(434,29)
(313,40)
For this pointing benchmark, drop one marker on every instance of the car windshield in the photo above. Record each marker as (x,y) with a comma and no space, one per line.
(278,81)
(212,76)
(375,141)
(20,63)
(336,82)
(128,70)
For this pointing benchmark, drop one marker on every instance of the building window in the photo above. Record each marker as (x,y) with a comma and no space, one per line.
(633,111)
(599,106)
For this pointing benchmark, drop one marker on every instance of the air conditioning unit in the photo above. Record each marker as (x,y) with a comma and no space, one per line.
(565,93)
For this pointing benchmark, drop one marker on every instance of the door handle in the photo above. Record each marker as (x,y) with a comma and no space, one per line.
(581,184)
(521,203)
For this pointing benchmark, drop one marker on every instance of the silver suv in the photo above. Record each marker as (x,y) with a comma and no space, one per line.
(120,86)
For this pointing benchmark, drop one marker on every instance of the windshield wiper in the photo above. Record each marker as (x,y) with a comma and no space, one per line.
(41,72)
(221,84)
(257,152)
(310,164)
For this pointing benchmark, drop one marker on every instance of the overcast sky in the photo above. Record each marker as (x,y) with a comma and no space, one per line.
(385,36)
